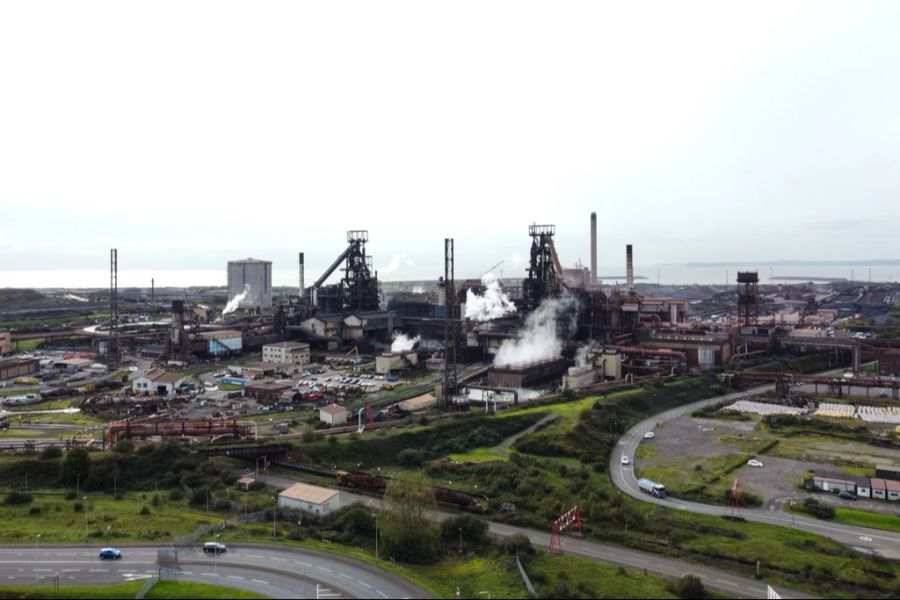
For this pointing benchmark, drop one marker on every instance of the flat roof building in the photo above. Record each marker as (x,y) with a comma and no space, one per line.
(11,368)
(333,414)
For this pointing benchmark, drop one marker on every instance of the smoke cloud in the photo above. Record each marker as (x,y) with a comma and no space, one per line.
(74,297)
(541,339)
(236,302)
(404,343)
(582,357)
(492,305)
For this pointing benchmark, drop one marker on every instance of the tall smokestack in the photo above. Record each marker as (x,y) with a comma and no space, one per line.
(301,275)
(593,248)
(629,268)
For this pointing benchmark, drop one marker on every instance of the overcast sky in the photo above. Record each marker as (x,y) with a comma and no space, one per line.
(189,133)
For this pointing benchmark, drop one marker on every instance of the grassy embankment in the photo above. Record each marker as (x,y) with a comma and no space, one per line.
(163,589)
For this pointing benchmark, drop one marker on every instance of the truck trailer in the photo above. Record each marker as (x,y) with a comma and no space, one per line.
(652,488)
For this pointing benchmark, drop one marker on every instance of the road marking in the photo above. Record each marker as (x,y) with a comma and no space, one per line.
(184,573)
(297,562)
(382,594)
(235,577)
(324,569)
(209,574)
(99,570)
(364,583)
(254,555)
(346,576)
(260,581)
(278,559)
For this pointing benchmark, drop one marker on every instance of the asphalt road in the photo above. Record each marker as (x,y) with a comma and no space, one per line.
(733,585)
(274,570)
(875,541)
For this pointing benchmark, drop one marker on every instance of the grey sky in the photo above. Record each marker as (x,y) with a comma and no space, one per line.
(187,134)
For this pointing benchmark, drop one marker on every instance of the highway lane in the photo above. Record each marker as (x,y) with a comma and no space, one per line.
(733,585)
(876,541)
(274,570)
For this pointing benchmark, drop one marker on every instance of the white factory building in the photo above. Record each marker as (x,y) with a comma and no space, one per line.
(254,273)
(310,498)
(286,353)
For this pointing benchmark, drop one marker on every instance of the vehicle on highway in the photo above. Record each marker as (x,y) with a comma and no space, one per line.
(754,463)
(652,488)
(847,495)
(625,460)
(110,553)
(214,547)
(649,435)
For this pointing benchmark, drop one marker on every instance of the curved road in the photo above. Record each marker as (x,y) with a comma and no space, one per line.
(876,541)
(275,570)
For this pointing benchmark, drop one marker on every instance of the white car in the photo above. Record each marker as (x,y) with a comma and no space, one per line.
(649,435)
(625,460)
(754,463)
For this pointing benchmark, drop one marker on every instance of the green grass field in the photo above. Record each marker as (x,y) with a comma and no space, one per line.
(116,590)
(861,518)
(559,576)
(58,520)
(189,590)
(479,455)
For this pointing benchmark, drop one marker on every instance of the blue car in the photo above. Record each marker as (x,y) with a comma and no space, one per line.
(110,553)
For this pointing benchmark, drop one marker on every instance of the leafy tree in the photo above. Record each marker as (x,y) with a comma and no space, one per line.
(406,532)
(690,586)
(75,464)
(474,530)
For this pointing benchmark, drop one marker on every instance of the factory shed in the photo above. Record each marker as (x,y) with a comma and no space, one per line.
(863,487)
(310,498)
(333,414)
(266,392)
(892,488)
(887,472)
(419,403)
(834,482)
(11,368)
(879,488)
(158,382)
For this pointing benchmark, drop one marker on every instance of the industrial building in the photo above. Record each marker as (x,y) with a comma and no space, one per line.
(5,341)
(254,273)
(286,353)
(10,368)
(157,382)
(224,341)
(310,498)
(333,414)
(396,361)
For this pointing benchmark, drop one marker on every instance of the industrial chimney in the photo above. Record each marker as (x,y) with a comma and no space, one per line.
(593,249)
(629,268)
(301,275)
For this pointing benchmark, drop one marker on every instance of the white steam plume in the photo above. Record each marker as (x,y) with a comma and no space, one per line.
(404,343)
(236,302)
(492,305)
(74,297)
(582,357)
(539,341)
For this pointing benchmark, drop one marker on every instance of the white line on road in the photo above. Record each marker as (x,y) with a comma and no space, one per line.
(382,594)
(209,574)
(343,575)
(260,581)
(324,568)
(297,562)
(235,577)
(364,583)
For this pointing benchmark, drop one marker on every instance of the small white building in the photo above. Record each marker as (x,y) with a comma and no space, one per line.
(286,353)
(893,489)
(310,498)
(863,487)
(158,382)
(333,414)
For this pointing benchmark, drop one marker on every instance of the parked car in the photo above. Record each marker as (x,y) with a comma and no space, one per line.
(649,435)
(110,553)
(847,495)
(214,547)
(754,463)
(625,460)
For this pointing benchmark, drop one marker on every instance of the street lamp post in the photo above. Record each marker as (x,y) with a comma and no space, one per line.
(85,520)
(460,540)
(216,556)
(108,527)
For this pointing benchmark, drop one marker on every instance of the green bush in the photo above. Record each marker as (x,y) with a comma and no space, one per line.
(17,498)
(818,509)
(176,495)
(410,457)
(34,509)
(474,530)
(518,543)
(70,495)
(50,452)
(689,586)
(144,510)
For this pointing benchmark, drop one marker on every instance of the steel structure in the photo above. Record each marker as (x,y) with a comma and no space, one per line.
(451,317)
(544,269)
(112,349)
(747,297)
(571,517)
(734,503)
(358,288)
